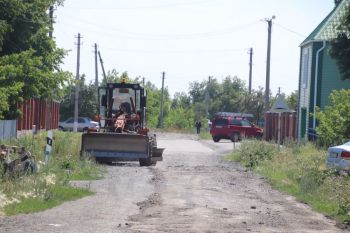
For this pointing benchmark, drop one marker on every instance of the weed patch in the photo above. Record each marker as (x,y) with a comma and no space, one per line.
(300,171)
(48,187)
(53,196)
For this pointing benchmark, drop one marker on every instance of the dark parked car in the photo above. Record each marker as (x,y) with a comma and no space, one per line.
(233,128)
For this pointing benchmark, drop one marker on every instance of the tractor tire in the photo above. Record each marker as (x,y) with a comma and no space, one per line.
(145,162)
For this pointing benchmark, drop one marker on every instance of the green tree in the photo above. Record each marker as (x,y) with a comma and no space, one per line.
(29,58)
(223,97)
(292,100)
(87,104)
(253,103)
(334,122)
(340,46)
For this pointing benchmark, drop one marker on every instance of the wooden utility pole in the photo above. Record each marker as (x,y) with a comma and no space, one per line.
(96,67)
(77,83)
(102,66)
(160,125)
(49,102)
(250,69)
(267,86)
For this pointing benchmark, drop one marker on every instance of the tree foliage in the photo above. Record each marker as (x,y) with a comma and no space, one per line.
(334,121)
(29,58)
(292,100)
(340,46)
(87,102)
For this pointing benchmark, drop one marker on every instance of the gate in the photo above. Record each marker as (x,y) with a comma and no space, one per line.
(8,129)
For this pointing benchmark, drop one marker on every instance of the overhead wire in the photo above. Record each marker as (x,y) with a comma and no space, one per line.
(289,30)
(145,36)
(184,3)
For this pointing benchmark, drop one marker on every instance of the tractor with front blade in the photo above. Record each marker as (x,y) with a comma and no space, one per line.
(123,134)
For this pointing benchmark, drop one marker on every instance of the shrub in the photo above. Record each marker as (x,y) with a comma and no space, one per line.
(251,154)
(334,121)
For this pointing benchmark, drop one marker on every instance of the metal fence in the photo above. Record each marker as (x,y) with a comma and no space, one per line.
(8,129)
(280,126)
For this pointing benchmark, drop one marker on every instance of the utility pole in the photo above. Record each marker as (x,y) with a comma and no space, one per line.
(103,68)
(250,69)
(96,67)
(160,125)
(48,118)
(77,83)
(267,86)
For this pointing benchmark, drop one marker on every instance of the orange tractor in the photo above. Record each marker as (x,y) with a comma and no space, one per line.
(123,134)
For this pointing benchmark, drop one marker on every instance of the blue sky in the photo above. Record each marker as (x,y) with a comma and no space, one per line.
(189,39)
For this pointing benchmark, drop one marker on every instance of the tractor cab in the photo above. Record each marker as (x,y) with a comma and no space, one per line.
(122,107)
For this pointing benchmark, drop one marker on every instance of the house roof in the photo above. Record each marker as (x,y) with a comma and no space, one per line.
(327,29)
(280,105)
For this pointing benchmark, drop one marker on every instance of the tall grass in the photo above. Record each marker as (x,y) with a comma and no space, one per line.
(50,185)
(300,171)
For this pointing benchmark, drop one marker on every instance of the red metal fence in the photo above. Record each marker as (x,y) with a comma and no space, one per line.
(288,124)
(35,112)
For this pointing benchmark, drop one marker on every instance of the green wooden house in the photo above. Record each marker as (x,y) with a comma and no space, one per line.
(319,74)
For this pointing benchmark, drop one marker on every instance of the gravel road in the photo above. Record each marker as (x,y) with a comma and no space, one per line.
(192,190)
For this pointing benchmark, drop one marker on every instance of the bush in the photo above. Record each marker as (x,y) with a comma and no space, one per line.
(334,121)
(300,170)
(251,154)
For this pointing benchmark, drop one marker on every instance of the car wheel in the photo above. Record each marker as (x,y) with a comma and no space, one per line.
(234,137)
(216,139)
(60,128)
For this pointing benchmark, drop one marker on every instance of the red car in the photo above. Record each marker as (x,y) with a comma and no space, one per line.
(234,128)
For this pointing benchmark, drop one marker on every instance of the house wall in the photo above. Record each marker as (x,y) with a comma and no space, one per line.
(330,79)
(304,87)
(316,46)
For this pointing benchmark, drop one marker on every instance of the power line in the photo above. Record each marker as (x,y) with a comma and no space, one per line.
(177,51)
(184,3)
(290,30)
(145,36)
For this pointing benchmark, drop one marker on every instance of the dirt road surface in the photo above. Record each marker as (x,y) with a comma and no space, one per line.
(193,190)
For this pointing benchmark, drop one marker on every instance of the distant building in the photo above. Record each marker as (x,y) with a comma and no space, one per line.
(319,74)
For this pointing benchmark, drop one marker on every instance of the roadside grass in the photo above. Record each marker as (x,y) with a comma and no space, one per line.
(205,135)
(54,196)
(49,186)
(299,170)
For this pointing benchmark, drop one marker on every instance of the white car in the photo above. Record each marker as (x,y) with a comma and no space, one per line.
(84,124)
(339,157)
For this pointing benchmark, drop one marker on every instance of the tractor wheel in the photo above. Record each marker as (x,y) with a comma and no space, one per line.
(145,162)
